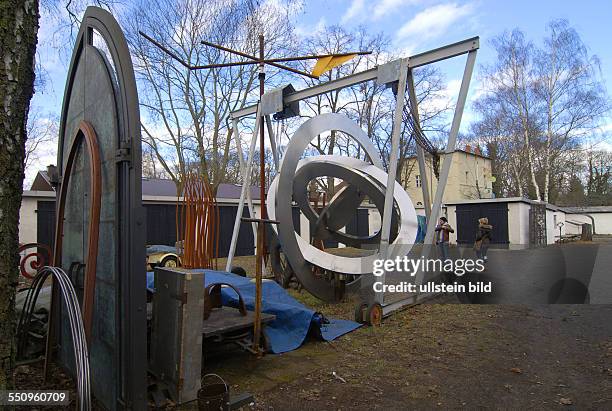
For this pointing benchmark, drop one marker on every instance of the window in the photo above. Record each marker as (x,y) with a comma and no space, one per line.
(418,181)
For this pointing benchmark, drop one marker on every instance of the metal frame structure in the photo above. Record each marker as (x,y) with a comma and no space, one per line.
(395,72)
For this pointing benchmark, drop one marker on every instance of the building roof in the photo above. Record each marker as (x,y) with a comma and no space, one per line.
(549,206)
(158,187)
(233,191)
(458,150)
(167,188)
(569,210)
(154,187)
(479,154)
(41,182)
(492,200)
(587,210)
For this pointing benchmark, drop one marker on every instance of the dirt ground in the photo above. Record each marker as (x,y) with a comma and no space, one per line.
(445,356)
(436,355)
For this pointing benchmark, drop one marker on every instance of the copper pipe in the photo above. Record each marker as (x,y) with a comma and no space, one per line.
(198,222)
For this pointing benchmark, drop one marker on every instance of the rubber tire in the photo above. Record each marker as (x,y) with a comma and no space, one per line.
(167,259)
(239,271)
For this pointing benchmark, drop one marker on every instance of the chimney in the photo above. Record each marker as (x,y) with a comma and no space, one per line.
(477,150)
(468,148)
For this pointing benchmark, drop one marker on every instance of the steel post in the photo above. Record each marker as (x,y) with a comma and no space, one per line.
(450,148)
(246,183)
(392,172)
(242,168)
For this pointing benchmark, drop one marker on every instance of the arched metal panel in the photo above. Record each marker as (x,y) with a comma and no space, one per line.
(101,92)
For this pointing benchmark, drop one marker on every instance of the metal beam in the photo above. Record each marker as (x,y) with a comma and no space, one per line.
(385,230)
(444,52)
(272,142)
(242,168)
(450,148)
(418,60)
(246,184)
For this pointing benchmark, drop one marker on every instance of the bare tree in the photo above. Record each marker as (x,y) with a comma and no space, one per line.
(41,134)
(599,177)
(572,97)
(539,105)
(369,104)
(187,112)
(511,94)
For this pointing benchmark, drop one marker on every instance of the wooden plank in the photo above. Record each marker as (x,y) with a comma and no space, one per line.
(228,319)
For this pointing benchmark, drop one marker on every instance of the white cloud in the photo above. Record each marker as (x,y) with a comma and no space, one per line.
(433,21)
(354,10)
(386,7)
(309,30)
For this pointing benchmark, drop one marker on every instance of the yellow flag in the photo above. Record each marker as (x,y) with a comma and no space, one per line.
(327,63)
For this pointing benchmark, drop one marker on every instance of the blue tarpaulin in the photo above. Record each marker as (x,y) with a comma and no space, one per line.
(422,229)
(293,319)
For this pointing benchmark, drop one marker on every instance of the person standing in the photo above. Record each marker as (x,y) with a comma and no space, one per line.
(443,230)
(483,238)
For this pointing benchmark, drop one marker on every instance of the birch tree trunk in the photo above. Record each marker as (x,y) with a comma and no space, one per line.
(18,37)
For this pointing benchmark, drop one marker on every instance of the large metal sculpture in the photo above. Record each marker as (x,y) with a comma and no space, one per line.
(100,227)
(319,271)
(363,179)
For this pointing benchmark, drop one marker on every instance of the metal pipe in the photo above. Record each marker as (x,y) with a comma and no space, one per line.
(258,60)
(278,60)
(261,239)
(242,167)
(450,147)
(76,325)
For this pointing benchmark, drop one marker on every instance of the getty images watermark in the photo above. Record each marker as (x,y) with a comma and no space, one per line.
(411,266)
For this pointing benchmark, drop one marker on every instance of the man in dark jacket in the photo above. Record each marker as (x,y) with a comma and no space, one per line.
(483,238)
(443,230)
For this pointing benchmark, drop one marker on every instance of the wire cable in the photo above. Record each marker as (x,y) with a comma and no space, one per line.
(77,329)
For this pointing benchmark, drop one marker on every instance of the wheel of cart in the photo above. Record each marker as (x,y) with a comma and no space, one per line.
(374,315)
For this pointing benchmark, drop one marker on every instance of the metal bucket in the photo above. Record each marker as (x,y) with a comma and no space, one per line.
(213,396)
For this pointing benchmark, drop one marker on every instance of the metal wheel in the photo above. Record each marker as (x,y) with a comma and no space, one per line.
(374,315)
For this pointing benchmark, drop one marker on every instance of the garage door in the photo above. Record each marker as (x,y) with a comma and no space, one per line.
(467,222)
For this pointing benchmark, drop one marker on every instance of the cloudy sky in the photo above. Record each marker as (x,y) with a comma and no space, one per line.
(412,25)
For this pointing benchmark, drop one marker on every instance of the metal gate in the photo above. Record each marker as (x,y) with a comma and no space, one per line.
(467,222)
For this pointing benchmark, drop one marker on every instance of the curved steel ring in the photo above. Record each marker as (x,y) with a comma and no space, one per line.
(341,208)
(301,254)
